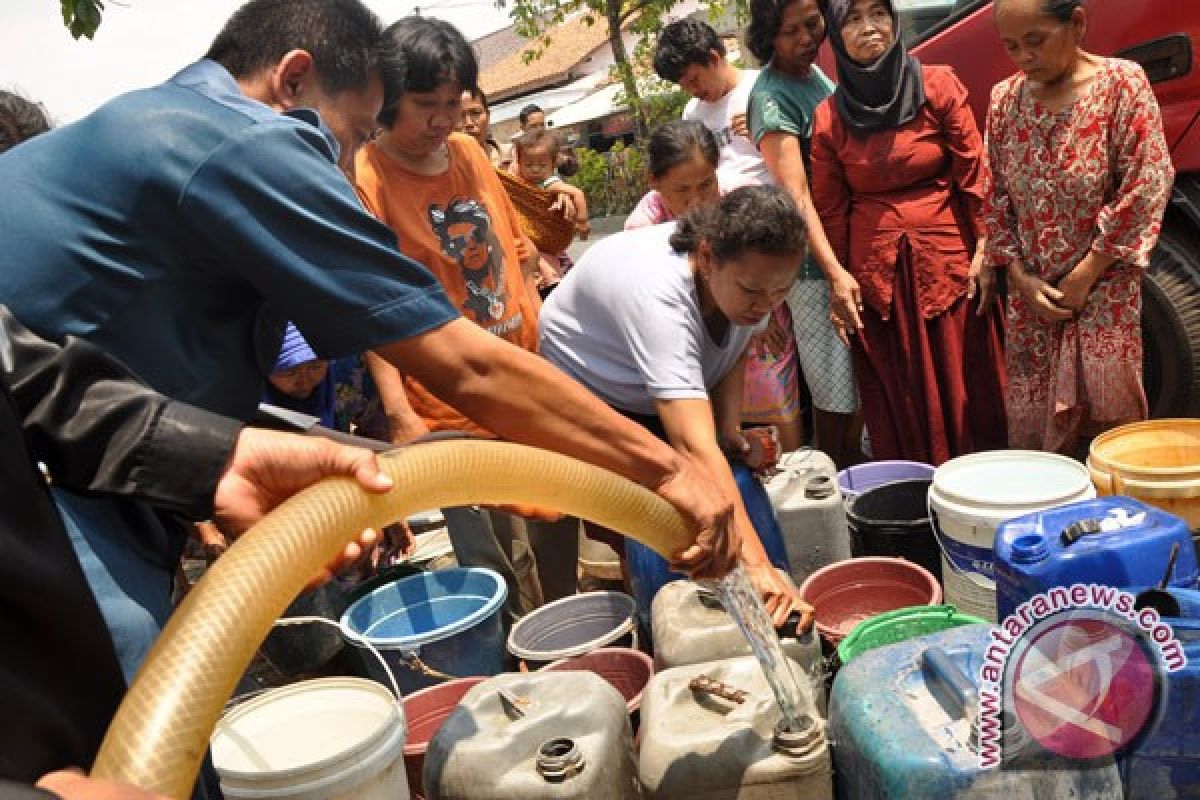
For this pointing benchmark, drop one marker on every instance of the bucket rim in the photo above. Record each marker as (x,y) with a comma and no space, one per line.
(633,703)
(1104,462)
(379,741)
(991,511)
(847,476)
(415,640)
(412,748)
(836,635)
(947,611)
(626,626)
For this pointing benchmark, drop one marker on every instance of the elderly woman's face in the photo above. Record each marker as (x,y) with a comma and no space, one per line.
(868,31)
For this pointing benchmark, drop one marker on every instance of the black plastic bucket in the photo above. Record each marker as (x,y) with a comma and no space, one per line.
(893,520)
(296,650)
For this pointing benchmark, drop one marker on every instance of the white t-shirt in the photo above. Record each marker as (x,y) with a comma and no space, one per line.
(626,323)
(741,164)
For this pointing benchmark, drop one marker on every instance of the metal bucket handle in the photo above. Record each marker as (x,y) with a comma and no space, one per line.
(937,537)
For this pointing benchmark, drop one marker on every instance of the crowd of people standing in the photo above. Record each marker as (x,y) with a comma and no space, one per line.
(911,217)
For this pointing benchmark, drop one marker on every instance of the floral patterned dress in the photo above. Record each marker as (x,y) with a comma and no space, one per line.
(1096,176)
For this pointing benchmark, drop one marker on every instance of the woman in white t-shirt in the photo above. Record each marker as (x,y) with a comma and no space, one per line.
(656,321)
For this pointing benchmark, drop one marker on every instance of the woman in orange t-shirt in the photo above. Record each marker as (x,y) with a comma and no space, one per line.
(440,194)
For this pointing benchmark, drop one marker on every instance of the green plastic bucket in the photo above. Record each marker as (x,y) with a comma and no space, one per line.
(899,625)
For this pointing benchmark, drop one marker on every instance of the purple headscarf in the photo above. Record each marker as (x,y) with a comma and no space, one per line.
(322,402)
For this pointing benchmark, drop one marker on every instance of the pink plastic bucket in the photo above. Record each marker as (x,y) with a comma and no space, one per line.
(628,670)
(425,711)
(848,592)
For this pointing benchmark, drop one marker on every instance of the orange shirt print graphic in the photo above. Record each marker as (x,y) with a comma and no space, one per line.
(465,232)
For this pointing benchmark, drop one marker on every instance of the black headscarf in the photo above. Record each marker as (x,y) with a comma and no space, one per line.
(886,94)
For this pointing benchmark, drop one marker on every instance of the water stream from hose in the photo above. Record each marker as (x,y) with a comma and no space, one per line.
(741,600)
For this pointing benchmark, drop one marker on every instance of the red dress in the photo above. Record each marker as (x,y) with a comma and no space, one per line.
(900,207)
(1096,176)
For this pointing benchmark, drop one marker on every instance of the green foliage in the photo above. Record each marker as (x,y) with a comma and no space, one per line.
(613,181)
(82,17)
(536,20)
(660,108)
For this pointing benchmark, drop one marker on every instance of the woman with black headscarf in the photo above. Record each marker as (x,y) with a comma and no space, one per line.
(897,165)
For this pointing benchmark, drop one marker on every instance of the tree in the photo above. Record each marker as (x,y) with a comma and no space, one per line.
(536,19)
(82,17)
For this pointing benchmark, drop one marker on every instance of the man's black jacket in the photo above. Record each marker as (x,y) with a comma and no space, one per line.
(96,429)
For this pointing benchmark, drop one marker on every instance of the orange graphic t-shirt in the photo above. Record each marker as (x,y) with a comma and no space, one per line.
(462,226)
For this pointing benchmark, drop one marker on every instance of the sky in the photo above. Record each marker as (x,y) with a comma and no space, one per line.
(144,42)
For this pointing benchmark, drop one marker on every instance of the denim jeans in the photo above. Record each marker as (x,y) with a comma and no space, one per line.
(131,581)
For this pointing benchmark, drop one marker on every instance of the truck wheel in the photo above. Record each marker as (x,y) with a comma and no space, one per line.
(1171,324)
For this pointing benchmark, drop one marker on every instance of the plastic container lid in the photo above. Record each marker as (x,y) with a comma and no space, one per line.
(1001,484)
(304,728)
(900,625)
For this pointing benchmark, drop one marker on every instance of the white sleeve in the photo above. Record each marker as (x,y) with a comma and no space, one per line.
(689,110)
(664,343)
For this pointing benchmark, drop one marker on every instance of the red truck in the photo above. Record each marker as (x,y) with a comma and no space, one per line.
(1164,37)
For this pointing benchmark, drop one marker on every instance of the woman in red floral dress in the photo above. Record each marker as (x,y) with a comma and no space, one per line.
(1080,178)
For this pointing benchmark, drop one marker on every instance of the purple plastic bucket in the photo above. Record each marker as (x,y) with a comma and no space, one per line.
(853,481)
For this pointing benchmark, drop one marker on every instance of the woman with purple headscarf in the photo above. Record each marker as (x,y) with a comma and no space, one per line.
(897,164)
(301,381)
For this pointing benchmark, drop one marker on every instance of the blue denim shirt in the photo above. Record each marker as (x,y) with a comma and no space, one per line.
(178,227)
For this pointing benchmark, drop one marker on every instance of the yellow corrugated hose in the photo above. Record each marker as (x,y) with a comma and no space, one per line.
(158,737)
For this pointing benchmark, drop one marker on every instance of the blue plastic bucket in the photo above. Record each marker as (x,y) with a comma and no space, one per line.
(856,480)
(649,572)
(449,620)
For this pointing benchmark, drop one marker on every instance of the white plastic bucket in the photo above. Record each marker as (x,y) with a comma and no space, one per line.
(324,739)
(972,495)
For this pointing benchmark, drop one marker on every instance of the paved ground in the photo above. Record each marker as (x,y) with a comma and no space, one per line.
(601,227)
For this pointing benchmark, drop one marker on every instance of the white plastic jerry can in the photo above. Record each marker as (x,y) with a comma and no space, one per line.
(535,736)
(811,512)
(690,627)
(713,731)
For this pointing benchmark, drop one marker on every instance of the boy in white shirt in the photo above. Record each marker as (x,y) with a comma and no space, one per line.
(690,53)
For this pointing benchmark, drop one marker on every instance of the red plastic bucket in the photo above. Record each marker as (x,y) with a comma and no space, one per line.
(628,670)
(848,592)
(425,711)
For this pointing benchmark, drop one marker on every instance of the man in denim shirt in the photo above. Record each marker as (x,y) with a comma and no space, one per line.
(179,227)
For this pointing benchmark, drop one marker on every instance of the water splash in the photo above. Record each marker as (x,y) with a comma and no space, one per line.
(740,599)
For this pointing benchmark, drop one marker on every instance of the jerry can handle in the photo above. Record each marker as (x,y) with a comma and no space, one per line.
(937,665)
(1079,529)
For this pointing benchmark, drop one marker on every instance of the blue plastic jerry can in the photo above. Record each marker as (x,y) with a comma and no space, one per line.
(1110,541)
(1165,763)
(904,723)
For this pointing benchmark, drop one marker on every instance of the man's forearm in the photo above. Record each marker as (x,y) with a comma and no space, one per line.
(523,398)
(403,423)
